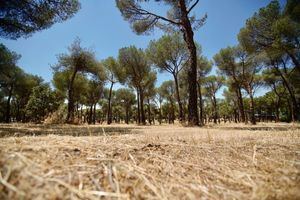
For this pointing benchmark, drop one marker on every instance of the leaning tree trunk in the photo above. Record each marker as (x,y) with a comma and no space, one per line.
(70,115)
(188,36)
(286,83)
(7,116)
(109,114)
(294,60)
(181,115)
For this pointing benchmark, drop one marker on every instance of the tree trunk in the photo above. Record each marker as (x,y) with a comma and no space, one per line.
(201,121)
(70,115)
(109,113)
(294,60)
(94,114)
(160,114)
(7,116)
(278,100)
(252,117)
(241,105)
(91,114)
(181,115)
(296,112)
(215,109)
(149,112)
(143,119)
(188,36)
(138,107)
(127,115)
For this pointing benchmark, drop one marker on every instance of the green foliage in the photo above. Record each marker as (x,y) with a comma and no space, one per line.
(273,31)
(135,65)
(168,53)
(78,59)
(167,89)
(21,18)
(42,102)
(212,84)
(144,21)
(113,71)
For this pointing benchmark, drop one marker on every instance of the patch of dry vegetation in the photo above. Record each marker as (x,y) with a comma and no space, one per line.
(160,162)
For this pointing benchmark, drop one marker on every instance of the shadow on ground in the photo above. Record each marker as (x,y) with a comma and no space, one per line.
(63,130)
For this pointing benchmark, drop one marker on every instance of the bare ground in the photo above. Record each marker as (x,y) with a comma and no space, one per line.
(157,162)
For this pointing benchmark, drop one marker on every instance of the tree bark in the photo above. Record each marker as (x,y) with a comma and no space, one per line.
(294,60)
(252,117)
(70,115)
(94,114)
(296,112)
(181,115)
(149,112)
(138,107)
(215,109)
(201,121)
(91,114)
(109,113)
(241,105)
(188,36)
(143,119)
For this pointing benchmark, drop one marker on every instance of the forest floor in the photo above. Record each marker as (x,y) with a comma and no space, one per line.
(231,161)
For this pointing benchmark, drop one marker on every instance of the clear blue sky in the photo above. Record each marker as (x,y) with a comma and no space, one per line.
(100,26)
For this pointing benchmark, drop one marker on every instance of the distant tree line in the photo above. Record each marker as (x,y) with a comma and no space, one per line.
(267,57)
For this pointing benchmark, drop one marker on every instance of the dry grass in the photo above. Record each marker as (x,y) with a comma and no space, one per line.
(166,162)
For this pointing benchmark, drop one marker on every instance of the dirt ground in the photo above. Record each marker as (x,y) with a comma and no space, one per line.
(150,162)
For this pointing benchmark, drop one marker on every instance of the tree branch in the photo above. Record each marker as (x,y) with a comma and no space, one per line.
(191,8)
(145,12)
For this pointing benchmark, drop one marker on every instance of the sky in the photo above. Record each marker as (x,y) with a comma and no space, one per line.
(101,27)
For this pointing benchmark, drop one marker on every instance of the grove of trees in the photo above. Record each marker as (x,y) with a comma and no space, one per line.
(123,89)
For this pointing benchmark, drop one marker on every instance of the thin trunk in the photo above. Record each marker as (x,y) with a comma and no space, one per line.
(200,105)
(94,114)
(241,105)
(160,114)
(188,36)
(149,112)
(138,107)
(81,112)
(143,119)
(252,117)
(109,112)
(296,112)
(70,115)
(7,116)
(215,109)
(181,115)
(91,114)
(294,60)
(278,100)
(127,115)
(172,111)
